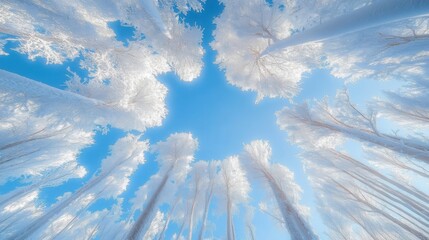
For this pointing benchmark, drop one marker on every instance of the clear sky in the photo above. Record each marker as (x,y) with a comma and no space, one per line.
(221,116)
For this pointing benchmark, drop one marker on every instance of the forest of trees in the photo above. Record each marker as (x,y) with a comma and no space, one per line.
(367,164)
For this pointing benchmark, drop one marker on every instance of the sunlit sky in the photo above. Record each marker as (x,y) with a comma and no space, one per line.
(221,116)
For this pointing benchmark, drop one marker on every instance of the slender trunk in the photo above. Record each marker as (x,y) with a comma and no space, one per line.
(393,196)
(96,227)
(370,232)
(167,221)
(380,211)
(12,223)
(296,225)
(45,218)
(412,191)
(19,193)
(34,138)
(229,221)
(143,221)
(71,223)
(28,189)
(9,158)
(390,201)
(250,228)
(205,215)
(53,99)
(182,227)
(191,215)
(402,146)
(5,217)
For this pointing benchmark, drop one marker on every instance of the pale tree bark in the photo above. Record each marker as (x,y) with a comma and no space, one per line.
(257,156)
(375,14)
(212,173)
(144,219)
(175,155)
(161,235)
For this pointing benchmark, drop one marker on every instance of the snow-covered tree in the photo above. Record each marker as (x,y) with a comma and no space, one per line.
(377,190)
(235,190)
(243,31)
(380,53)
(249,225)
(197,184)
(144,108)
(53,177)
(170,37)
(408,106)
(13,213)
(269,46)
(126,155)
(111,225)
(324,123)
(196,194)
(363,202)
(63,30)
(37,136)
(174,158)
(155,226)
(373,199)
(212,171)
(170,216)
(279,179)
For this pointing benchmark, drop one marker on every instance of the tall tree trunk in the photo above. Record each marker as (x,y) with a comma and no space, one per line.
(143,221)
(161,235)
(229,220)
(182,227)
(205,215)
(191,215)
(52,212)
(375,14)
(383,213)
(39,222)
(399,145)
(296,225)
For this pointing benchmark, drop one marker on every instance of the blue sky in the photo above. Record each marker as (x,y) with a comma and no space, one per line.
(221,116)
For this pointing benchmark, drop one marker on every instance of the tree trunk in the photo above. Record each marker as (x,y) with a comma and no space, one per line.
(375,14)
(143,222)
